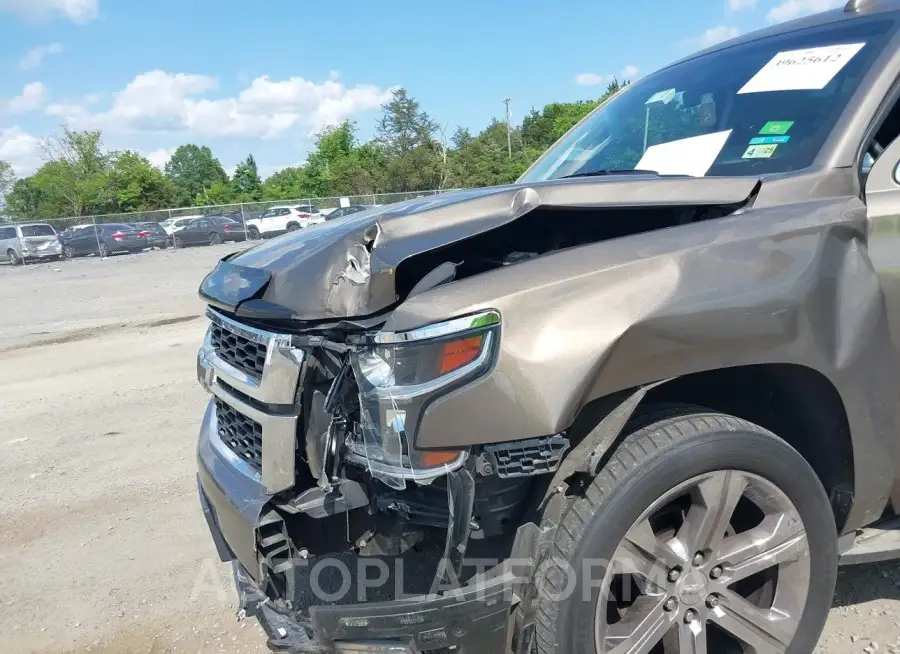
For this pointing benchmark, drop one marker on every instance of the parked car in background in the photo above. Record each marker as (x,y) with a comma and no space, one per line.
(105,239)
(278,220)
(340,212)
(154,234)
(21,243)
(68,232)
(210,230)
(173,225)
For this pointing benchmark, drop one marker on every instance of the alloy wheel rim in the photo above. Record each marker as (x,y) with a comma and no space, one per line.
(733,575)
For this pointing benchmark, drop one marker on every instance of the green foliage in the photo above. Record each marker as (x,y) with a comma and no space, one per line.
(193,169)
(410,152)
(134,184)
(246,183)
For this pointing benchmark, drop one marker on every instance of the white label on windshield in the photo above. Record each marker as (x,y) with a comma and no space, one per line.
(801,70)
(692,156)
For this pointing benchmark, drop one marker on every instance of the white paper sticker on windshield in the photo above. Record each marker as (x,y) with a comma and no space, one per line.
(692,156)
(801,70)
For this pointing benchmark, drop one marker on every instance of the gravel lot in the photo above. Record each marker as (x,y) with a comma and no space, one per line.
(102,544)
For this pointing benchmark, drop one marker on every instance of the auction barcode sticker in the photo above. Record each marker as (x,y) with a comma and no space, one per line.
(800,70)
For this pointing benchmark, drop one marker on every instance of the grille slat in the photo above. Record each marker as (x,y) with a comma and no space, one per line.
(241,352)
(242,435)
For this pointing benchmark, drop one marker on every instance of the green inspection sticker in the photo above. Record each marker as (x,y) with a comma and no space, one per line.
(759,151)
(776,127)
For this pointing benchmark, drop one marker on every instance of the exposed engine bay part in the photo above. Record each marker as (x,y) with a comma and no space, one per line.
(364,265)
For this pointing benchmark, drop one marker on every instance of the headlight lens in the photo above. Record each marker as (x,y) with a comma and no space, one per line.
(399,375)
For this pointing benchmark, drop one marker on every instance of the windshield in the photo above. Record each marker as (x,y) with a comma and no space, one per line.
(37,230)
(758,107)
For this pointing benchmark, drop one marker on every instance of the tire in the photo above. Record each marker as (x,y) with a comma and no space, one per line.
(214,239)
(165,245)
(690,447)
(293,227)
(178,242)
(68,252)
(253,234)
(14,258)
(104,251)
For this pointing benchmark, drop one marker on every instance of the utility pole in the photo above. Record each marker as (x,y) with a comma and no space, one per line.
(508,128)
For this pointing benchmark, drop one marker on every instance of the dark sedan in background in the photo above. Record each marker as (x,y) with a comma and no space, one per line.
(210,230)
(340,212)
(102,239)
(154,234)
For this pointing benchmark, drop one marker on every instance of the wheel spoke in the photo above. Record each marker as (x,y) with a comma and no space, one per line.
(687,638)
(762,629)
(780,538)
(644,624)
(714,500)
(642,553)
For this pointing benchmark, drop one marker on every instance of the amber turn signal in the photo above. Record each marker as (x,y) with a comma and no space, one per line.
(456,354)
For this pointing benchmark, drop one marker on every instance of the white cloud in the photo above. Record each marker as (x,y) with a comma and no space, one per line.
(711,37)
(740,5)
(158,101)
(160,157)
(35,57)
(793,8)
(592,79)
(20,149)
(78,11)
(32,97)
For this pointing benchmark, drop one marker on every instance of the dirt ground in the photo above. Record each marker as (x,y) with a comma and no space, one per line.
(102,544)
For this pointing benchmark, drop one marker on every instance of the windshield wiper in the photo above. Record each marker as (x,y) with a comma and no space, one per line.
(611,171)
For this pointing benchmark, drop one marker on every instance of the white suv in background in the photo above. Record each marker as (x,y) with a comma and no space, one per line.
(173,225)
(278,220)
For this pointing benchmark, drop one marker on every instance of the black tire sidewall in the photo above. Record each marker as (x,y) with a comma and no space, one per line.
(759,453)
(214,239)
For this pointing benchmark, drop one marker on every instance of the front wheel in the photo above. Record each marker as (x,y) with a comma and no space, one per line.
(14,258)
(214,238)
(178,242)
(68,252)
(703,533)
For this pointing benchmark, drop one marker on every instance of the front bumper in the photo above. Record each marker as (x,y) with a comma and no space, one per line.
(474,619)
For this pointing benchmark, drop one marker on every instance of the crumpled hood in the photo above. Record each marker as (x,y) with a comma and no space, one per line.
(346,268)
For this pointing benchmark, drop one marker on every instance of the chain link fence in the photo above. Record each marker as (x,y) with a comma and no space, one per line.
(175,219)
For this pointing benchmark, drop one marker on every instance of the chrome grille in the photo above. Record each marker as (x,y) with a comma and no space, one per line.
(241,352)
(242,435)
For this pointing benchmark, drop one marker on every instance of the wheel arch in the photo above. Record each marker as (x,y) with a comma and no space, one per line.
(798,404)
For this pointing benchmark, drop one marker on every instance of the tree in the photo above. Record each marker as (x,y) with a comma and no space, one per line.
(136,185)
(7,180)
(245,181)
(193,169)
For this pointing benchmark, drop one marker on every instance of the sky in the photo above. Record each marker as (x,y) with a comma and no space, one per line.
(264,77)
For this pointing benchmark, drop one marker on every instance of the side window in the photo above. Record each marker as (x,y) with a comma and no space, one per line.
(7,232)
(284,212)
(887,133)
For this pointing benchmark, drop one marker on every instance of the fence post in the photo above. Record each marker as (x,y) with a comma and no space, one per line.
(175,247)
(96,234)
(374,201)
(244,222)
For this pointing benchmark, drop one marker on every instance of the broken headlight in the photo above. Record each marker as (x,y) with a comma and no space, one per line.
(398,375)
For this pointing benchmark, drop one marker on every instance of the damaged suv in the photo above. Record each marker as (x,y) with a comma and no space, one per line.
(643,400)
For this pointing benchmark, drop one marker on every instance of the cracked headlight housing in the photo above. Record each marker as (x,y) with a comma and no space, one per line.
(399,375)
